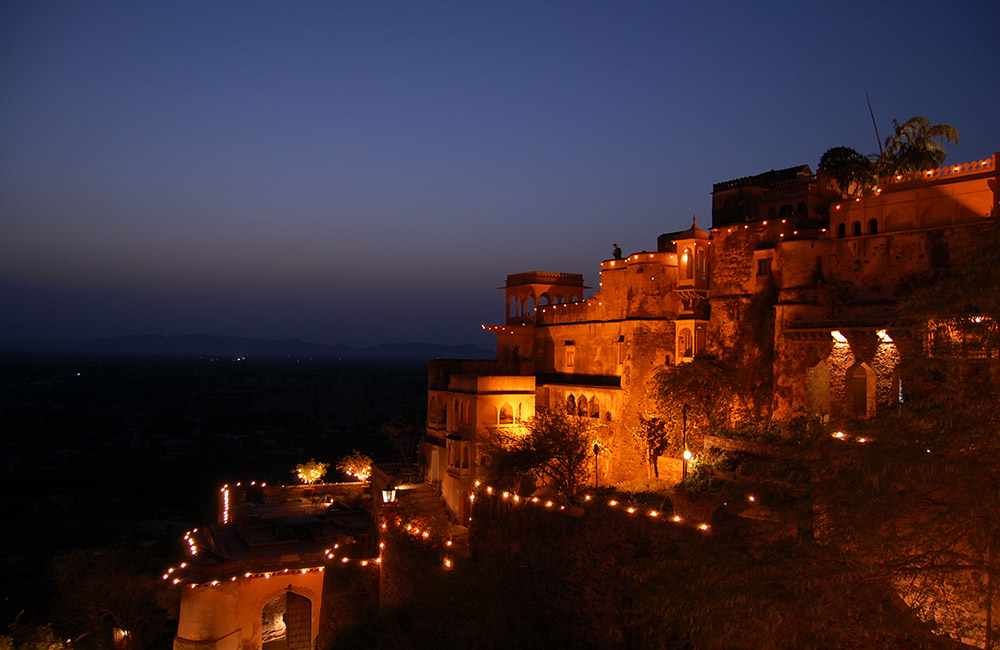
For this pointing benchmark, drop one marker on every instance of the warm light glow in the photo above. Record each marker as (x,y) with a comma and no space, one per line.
(687,454)
(838,337)
(839,435)
(357,465)
(311,472)
(883,336)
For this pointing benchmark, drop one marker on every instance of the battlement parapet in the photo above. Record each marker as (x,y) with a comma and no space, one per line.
(545,277)
(570,312)
(946,172)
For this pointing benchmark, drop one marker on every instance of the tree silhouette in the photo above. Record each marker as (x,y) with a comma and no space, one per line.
(915,145)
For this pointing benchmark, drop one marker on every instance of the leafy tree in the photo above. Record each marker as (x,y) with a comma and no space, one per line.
(30,637)
(105,588)
(748,592)
(854,173)
(655,436)
(311,472)
(554,450)
(404,436)
(702,392)
(357,465)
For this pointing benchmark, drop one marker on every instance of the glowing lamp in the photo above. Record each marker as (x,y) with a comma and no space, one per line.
(838,337)
(388,496)
(687,454)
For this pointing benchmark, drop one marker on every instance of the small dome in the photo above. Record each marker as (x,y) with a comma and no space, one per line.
(694,232)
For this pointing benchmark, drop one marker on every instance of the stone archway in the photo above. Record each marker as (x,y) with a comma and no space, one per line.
(286,623)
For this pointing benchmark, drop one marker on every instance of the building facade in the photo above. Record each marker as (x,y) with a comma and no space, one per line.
(825,271)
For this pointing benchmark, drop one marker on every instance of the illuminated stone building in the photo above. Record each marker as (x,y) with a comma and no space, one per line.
(831,269)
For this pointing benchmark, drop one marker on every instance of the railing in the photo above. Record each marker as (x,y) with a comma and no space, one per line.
(949,171)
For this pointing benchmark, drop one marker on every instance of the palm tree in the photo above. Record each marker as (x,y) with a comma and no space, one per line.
(914,146)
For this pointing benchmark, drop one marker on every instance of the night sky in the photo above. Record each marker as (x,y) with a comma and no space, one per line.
(369,172)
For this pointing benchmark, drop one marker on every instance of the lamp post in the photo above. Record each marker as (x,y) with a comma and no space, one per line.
(684,439)
(597,450)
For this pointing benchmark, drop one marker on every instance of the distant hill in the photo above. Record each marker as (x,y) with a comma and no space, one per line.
(205,345)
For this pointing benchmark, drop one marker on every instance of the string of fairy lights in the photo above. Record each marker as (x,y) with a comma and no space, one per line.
(548,504)
(173,572)
(425,534)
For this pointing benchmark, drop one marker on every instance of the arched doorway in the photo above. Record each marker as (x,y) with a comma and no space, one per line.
(860,391)
(286,623)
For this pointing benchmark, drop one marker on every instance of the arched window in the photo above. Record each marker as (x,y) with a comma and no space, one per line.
(841,230)
(531,305)
(701,264)
(687,264)
(582,408)
(519,417)
(571,405)
(465,458)
(873,227)
(506,414)
(857,228)
(595,411)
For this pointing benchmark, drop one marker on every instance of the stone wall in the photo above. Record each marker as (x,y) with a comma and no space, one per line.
(581,557)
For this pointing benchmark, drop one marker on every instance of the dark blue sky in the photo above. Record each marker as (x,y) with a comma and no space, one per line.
(369,172)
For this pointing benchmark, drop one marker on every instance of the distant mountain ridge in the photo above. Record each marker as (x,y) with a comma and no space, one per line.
(202,345)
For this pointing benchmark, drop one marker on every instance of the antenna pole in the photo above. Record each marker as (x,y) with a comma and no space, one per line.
(875,124)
